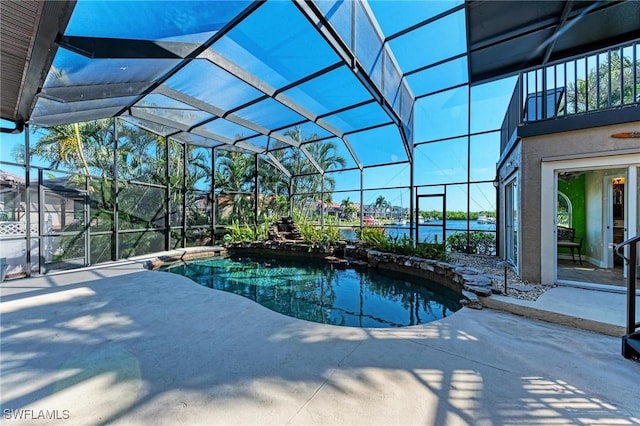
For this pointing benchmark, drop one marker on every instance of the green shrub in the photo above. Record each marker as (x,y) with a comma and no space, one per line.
(376,238)
(436,251)
(310,234)
(314,235)
(333,233)
(478,243)
(318,236)
(262,231)
(372,236)
(239,233)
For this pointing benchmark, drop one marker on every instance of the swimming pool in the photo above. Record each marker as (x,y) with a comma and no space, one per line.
(319,292)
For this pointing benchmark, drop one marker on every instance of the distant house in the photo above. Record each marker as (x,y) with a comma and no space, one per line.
(62,207)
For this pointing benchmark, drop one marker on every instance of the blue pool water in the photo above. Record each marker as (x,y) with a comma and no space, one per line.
(321,293)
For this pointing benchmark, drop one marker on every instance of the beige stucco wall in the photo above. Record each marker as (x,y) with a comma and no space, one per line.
(594,142)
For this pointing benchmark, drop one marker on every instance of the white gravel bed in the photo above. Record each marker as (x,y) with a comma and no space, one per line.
(516,287)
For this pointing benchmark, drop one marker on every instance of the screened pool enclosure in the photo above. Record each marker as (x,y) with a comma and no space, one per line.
(161,124)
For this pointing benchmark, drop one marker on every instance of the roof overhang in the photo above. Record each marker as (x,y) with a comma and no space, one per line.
(505,37)
(28,32)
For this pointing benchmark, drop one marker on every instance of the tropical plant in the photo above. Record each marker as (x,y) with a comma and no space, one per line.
(348,208)
(372,236)
(376,239)
(88,149)
(239,233)
(381,205)
(234,176)
(476,243)
(305,178)
(76,146)
(387,207)
(316,235)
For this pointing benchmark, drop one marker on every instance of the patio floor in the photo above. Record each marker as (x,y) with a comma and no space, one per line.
(123,345)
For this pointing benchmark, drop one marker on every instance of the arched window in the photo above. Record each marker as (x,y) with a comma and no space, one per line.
(563,215)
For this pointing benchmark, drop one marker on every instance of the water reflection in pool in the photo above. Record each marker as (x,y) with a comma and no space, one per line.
(321,293)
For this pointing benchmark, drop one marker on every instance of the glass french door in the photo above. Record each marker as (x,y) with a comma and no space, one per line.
(599,207)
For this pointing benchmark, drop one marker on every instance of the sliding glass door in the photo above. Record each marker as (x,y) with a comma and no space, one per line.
(511,221)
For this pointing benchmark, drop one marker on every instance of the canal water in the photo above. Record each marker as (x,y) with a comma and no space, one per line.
(428,231)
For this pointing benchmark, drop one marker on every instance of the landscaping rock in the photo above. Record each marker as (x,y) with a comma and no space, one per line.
(467,271)
(471,297)
(481,291)
(477,280)
(284,229)
(522,287)
(470,300)
(490,267)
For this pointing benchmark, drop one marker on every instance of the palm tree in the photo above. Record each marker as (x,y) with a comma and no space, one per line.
(387,207)
(380,204)
(76,146)
(305,177)
(86,148)
(234,175)
(141,155)
(348,208)
(198,169)
(593,92)
(326,155)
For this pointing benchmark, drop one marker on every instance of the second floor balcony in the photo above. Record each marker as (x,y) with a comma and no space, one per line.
(595,85)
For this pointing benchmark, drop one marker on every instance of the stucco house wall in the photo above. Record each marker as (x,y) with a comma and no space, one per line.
(586,143)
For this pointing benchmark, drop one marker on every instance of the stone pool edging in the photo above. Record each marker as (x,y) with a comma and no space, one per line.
(470,282)
(189,253)
(288,249)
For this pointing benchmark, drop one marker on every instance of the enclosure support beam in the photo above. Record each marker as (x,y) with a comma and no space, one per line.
(255,193)
(167,194)
(222,114)
(361,198)
(315,16)
(444,215)
(40,224)
(252,7)
(322,201)
(560,28)
(498,219)
(87,220)
(290,194)
(468,169)
(115,251)
(271,92)
(184,195)
(413,228)
(278,164)
(214,202)
(27,200)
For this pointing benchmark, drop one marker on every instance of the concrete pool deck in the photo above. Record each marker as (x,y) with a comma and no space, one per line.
(123,345)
